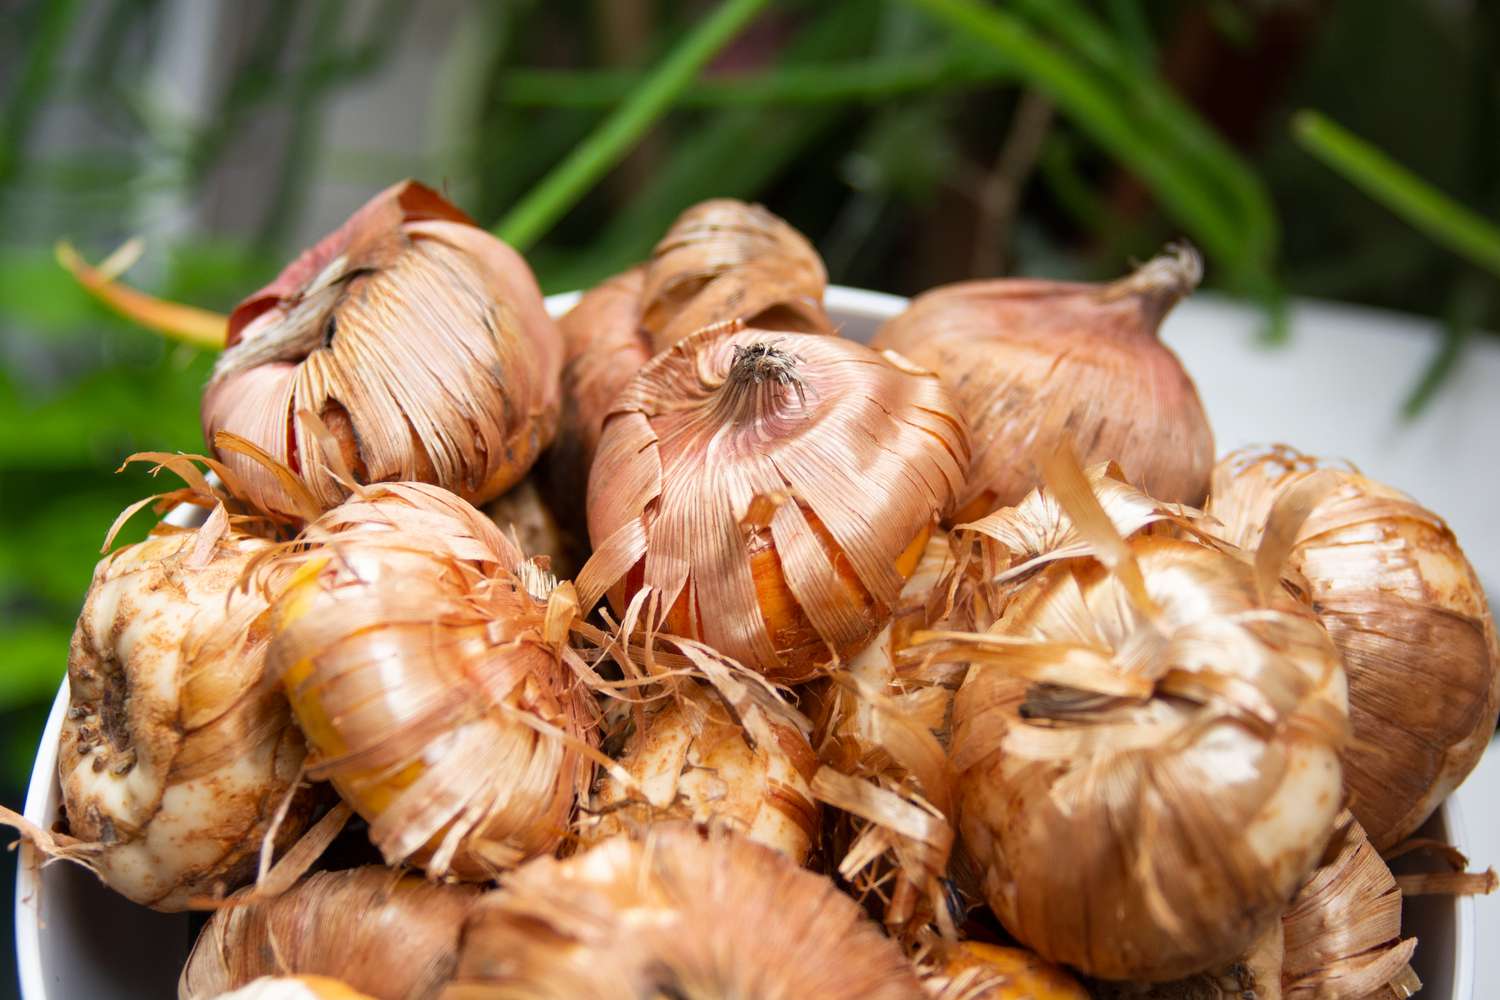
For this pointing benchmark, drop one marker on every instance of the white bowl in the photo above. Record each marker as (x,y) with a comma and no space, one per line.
(77,939)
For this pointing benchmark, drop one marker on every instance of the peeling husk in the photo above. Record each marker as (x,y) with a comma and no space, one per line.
(176,752)
(677,911)
(1146,751)
(694,760)
(525,517)
(773,490)
(1034,365)
(726,260)
(972,970)
(1343,931)
(382,933)
(434,690)
(1407,612)
(295,988)
(419,339)
(881,726)
(722,260)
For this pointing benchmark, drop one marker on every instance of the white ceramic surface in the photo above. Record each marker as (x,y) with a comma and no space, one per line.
(1334,390)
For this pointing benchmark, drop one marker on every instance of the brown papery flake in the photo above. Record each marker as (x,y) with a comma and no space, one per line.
(677,911)
(1388,580)
(1034,365)
(418,339)
(1144,778)
(413,642)
(388,935)
(856,454)
(722,260)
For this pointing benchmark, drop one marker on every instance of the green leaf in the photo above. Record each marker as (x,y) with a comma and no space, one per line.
(1423,206)
(593,158)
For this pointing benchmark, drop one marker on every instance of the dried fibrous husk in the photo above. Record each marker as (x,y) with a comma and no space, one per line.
(881,728)
(1390,583)
(726,260)
(772,491)
(1003,549)
(295,988)
(418,338)
(694,760)
(527,519)
(438,694)
(973,970)
(175,754)
(382,933)
(722,260)
(675,911)
(1343,930)
(603,348)
(1036,364)
(1146,750)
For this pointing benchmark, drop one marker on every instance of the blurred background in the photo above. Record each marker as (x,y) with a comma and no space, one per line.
(914,142)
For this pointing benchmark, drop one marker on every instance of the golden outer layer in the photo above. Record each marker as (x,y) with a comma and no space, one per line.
(419,339)
(726,260)
(604,347)
(1148,813)
(1407,612)
(721,261)
(379,932)
(417,665)
(695,762)
(1036,365)
(972,970)
(677,911)
(773,490)
(175,754)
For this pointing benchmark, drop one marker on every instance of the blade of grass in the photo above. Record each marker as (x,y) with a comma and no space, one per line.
(1134,30)
(1425,208)
(863,82)
(561,189)
(1175,122)
(1095,106)
(1464,314)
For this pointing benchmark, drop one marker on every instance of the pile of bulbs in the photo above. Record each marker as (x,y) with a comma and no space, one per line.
(685,648)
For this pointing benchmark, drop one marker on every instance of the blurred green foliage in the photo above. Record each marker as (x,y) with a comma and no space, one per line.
(916,141)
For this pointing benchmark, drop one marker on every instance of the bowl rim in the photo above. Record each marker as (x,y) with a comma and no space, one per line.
(44,794)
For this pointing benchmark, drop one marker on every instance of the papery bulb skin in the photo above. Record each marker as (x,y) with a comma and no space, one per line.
(722,261)
(1343,930)
(1036,365)
(418,339)
(885,722)
(370,931)
(725,260)
(973,970)
(1082,808)
(1146,746)
(604,348)
(418,663)
(675,911)
(1389,581)
(175,752)
(694,761)
(773,490)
